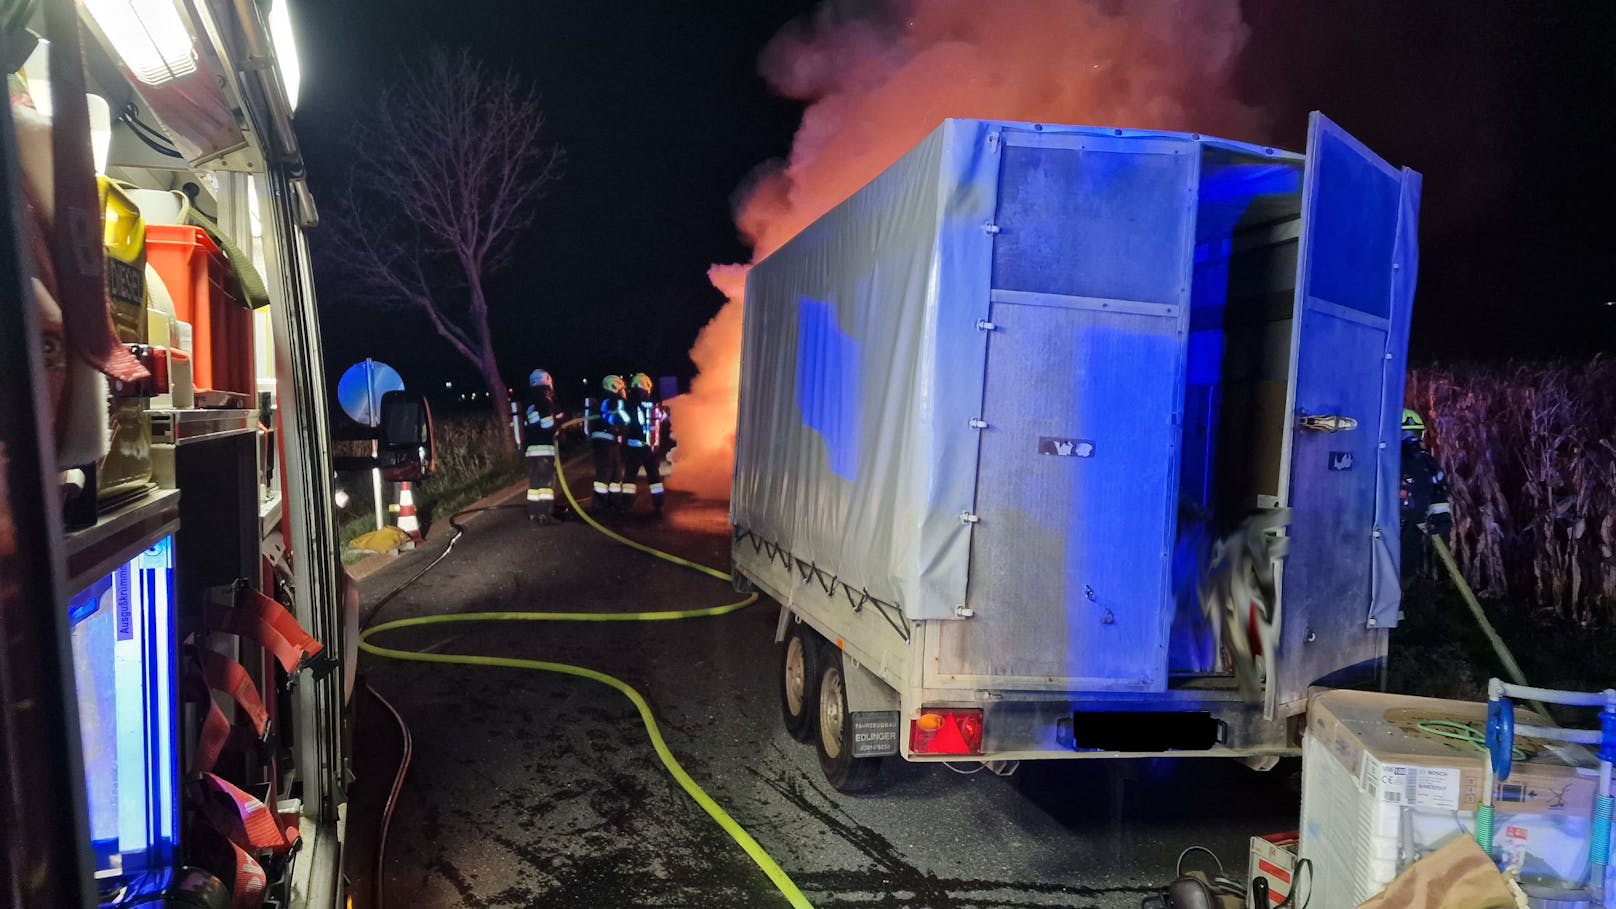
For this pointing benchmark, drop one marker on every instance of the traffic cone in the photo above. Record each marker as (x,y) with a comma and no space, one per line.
(407,521)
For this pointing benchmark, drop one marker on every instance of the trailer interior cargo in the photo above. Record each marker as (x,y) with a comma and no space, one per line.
(1010,411)
(173,615)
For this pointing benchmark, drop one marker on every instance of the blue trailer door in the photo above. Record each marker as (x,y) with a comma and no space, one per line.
(1349,342)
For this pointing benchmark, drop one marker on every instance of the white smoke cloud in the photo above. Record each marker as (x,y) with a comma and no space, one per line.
(878,76)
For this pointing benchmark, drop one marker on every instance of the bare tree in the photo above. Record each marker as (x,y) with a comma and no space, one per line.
(447,170)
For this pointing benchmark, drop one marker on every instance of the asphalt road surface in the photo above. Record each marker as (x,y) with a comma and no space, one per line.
(537,790)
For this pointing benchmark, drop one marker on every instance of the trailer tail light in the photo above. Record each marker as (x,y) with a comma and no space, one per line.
(946,731)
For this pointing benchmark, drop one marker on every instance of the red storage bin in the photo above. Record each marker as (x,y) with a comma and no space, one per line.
(198,278)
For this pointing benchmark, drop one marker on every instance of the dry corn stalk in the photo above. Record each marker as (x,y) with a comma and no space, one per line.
(1530,452)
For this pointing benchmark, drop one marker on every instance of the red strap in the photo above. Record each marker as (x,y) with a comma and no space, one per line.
(227,675)
(220,673)
(80,275)
(259,618)
(243,741)
(209,849)
(250,824)
(247,891)
(215,728)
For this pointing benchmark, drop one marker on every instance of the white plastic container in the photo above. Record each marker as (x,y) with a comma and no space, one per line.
(180,383)
(160,330)
(160,206)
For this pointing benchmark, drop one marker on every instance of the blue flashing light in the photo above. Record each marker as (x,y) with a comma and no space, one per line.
(1239,183)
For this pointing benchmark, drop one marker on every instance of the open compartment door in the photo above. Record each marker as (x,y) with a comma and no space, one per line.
(1340,462)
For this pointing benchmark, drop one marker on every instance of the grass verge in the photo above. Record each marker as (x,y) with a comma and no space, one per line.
(1438,651)
(475,456)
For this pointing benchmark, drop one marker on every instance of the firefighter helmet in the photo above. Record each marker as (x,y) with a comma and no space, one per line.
(1413,423)
(540,379)
(613,385)
(641,381)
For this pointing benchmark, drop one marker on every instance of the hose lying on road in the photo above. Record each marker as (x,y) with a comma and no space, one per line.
(377,885)
(764,861)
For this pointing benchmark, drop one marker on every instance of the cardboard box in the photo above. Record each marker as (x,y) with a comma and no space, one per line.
(1273,857)
(1379,740)
(1388,778)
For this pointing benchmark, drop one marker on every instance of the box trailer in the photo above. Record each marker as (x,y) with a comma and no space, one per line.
(987,398)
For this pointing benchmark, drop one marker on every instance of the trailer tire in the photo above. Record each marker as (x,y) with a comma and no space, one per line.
(799,680)
(834,725)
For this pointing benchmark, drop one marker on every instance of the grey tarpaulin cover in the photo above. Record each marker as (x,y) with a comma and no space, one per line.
(849,452)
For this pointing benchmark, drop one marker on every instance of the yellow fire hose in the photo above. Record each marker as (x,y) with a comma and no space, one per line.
(730,826)
(1512,668)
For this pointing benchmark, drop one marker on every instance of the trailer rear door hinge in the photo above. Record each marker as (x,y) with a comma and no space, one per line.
(963,611)
(978,423)
(990,228)
(967,518)
(985,325)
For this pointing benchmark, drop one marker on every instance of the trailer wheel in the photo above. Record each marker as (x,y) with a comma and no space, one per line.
(799,680)
(835,739)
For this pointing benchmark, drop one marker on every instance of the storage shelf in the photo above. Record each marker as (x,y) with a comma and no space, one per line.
(179,427)
(120,535)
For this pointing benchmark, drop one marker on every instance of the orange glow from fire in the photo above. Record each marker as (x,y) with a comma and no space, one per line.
(876,85)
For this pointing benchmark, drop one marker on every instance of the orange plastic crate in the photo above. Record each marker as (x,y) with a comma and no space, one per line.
(198,278)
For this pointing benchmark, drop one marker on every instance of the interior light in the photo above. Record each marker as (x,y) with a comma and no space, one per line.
(150,36)
(280,36)
(153,43)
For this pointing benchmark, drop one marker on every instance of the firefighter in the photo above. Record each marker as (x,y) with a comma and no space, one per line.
(1422,496)
(643,444)
(539,436)
(605,440)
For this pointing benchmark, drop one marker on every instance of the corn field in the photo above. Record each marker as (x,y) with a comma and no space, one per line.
(470,446)
(1530,454)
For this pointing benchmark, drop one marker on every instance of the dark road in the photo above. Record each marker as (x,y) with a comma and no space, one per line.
(537,790)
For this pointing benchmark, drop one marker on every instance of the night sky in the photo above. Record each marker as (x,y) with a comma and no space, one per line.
(1506,108)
